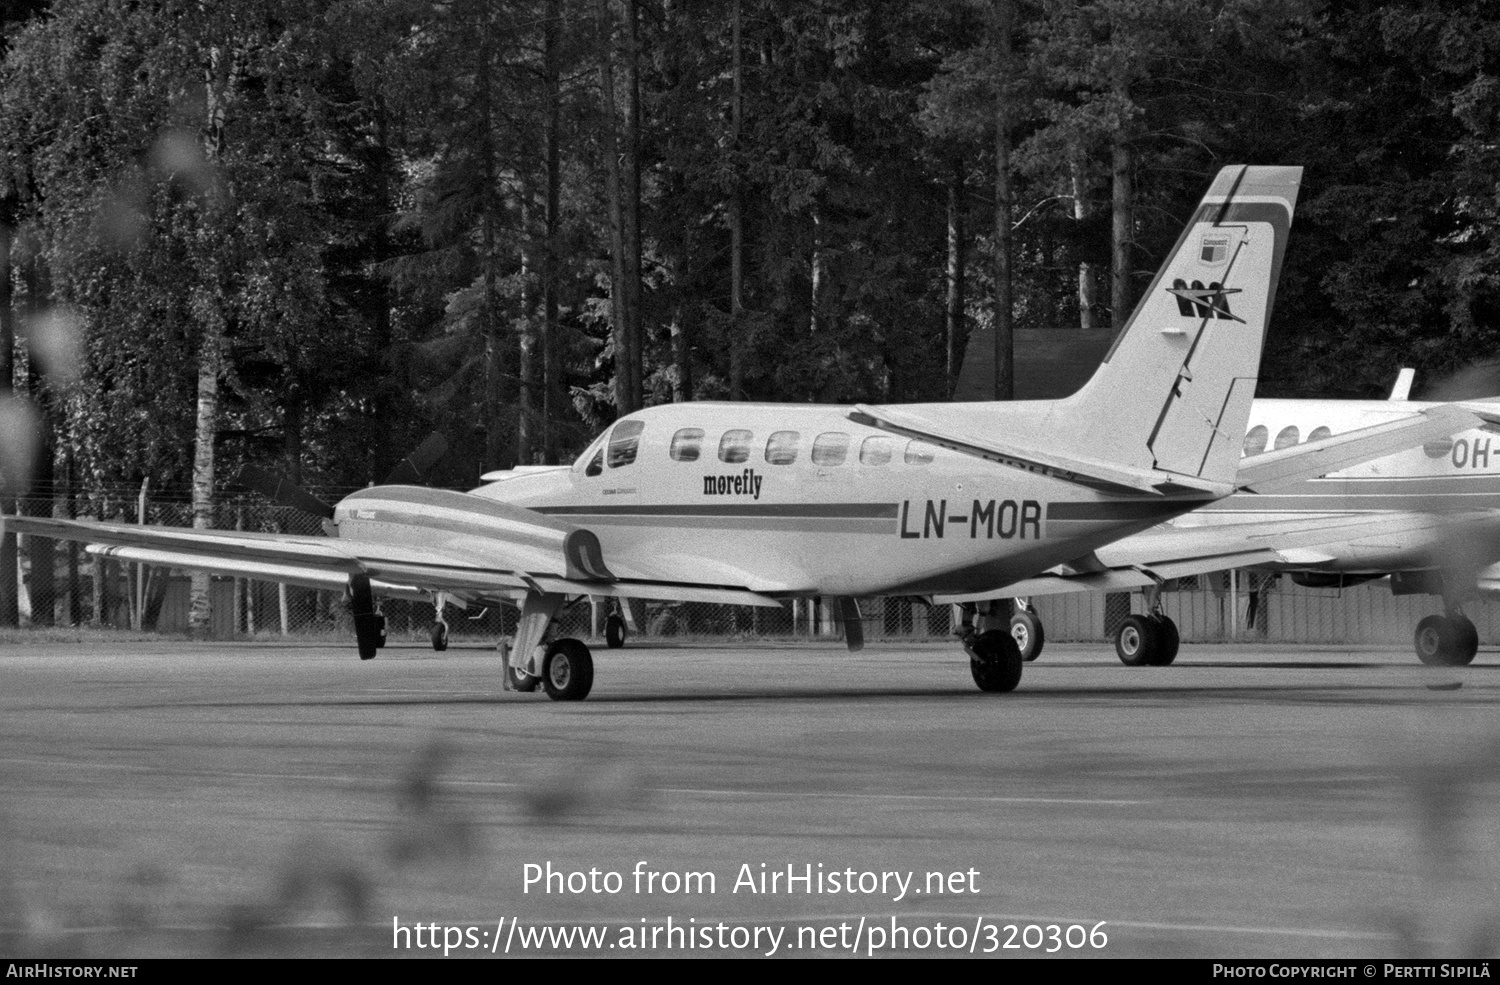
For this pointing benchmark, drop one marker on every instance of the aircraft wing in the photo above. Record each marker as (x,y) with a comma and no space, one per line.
(486,568)
(1085,471)
(1259,473)
(1178,551)
(1274,469)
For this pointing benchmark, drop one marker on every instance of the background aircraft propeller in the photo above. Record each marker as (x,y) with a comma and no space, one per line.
(410,471)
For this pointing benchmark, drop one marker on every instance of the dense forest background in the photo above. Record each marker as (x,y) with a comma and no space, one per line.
(302,234)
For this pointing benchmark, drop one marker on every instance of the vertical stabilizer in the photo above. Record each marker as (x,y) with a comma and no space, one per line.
(1174,392)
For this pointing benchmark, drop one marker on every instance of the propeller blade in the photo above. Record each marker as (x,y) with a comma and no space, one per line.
(282,492)
(413,467)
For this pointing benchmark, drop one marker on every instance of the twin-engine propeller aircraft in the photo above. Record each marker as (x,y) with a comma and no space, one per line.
(1428,516)
(753,504)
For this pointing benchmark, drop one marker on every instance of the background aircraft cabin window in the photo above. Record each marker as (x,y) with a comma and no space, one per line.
(624,441)
(781,447)
(734,447)
(685,444)
(1319,433)
(1288,437)
(1255,440)
(919,453)
(876,451)
(830,448)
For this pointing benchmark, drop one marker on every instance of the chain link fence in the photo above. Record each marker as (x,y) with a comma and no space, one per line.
(59,584)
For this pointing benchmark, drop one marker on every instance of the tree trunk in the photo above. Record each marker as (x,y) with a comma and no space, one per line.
(1082,208)
(1004,205)
(631,219)
(526,367)
(10,612)
(736,227)
(551,275)
(619,293)
(210,359)
(1120,231)
(954,322)
(494,354)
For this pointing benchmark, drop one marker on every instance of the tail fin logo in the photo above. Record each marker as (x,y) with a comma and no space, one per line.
(1197,301)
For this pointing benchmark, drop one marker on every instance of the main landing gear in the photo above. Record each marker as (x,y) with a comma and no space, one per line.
(1448,640)
(614,631)
(995,659)
(369,623)
(563,667)
(1149,640)
(1026,630)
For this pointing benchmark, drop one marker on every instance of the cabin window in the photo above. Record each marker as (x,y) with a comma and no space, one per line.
(1288,437)
(830,448)
(686,444)
(919,453)
(876,451)
(781,447)
(624,441)
(1439,448)
(1319,433)
(1255,440)
(734,447)
(592,459)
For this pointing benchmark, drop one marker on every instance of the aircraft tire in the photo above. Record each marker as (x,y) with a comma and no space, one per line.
(995,661)
(568,670)
(1026,629)
(368,631)
(1465,640)
(1435,641)
(1167,641)
(439,636)
(519,679)
(1136,640)
(614,631)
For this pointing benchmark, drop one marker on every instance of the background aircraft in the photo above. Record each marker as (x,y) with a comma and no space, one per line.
(754,503)
(1428,516)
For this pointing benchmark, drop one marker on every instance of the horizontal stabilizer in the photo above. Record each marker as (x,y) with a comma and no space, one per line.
(1274,469)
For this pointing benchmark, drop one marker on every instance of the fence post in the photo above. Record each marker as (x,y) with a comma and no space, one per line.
(1234,603)
(137,615)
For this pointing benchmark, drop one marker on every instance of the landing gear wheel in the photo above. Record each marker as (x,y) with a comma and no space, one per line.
(995,661)
(518,679)
(1136,640)
(1026,630)
(1432,639)
(1446,641)
(1166,641)
(1467,640)
(568,670)
(614,631)
(440,636)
